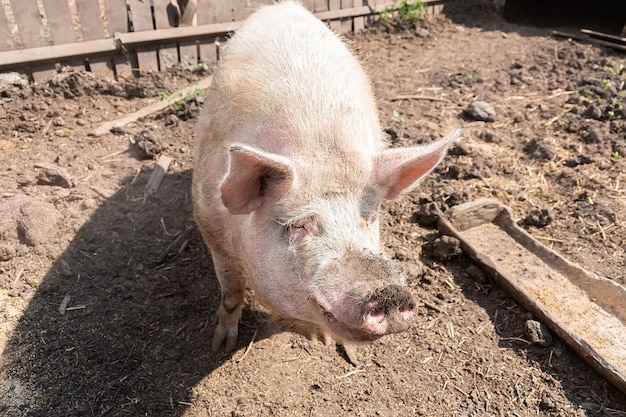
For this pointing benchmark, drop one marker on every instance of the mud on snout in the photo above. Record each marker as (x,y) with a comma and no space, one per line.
(363,297)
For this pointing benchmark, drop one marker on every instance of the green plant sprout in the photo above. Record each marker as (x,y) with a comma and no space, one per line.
(409,10)
(398,116)
(187,97)
(616,68)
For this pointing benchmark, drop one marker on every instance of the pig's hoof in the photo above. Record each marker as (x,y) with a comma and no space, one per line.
(322,337)
(222,337)
(351,354)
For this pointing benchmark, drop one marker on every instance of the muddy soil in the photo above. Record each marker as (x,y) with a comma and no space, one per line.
(108,298)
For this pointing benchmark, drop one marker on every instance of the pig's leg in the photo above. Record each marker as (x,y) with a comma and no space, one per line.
(232,285)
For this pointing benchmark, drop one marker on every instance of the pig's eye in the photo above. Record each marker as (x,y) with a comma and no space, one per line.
(368,218)
(302,227)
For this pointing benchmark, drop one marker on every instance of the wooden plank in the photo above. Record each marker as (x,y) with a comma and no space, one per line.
(29,23)
(188,50)
(134,39)
(62,28)
(93,29)
(206,14)
(55,53)
(6,37)
(152,108)
(223,11)
(168,52)
(32,32)
(142,21)
(59,21)
(358,23)
(241,9)
(309,4)
(346,24)
(117,19)
(320,6)
(334,5)
(50,54)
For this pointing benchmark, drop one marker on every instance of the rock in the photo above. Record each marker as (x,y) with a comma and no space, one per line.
(538,333)
(28,221)
(538,218)
(575,160)
(539,149)
(148,144)
(7,251)
(593,112)
(37,223)
(51,174)
(547,402)
(481,111)
(477,274)
(427,215)
(13,79)
(446,248)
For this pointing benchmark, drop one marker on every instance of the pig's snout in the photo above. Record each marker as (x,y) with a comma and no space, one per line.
(388,310)
(354,318)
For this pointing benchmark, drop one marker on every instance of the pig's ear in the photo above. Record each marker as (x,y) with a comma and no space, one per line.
(399,170)
(254,175)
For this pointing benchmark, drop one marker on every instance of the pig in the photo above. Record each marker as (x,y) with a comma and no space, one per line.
(290,168)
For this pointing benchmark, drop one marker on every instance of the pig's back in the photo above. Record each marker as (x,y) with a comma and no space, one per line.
(285,67)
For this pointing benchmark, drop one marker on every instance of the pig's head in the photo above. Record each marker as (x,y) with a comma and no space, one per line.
(312,250)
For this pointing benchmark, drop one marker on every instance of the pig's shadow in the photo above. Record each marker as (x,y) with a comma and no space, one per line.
(135,338)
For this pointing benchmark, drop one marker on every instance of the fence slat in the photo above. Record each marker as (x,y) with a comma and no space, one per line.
(335,5)
(93,29)
(321,6)
(117,18)
(205,15)
(142,20)
(223,11)
(6,38)
(358,22)
(241,9)
(346,24)
(61,27)
(32,32)
(168,52)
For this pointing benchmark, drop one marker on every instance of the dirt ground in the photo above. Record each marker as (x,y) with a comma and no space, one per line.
(108,298)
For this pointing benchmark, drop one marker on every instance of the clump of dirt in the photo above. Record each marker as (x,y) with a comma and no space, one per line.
(108,297)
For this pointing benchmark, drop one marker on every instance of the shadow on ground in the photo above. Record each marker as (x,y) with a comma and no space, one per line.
(135,338)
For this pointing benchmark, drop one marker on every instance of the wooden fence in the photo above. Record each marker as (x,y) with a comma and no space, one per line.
(122,38)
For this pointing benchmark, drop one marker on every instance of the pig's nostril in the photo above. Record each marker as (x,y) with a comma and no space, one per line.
(377,313)
(408,308)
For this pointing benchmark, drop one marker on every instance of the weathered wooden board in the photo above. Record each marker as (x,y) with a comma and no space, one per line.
(59,21)
(92,29)
(241,9)
(188,49)
(117,19)
(153,31)
(358,23)
(346,24)
(32,33)
(168,52)
(142,20)
(335,5)
(320,6)
(206,14)
(586,311)
(6,38)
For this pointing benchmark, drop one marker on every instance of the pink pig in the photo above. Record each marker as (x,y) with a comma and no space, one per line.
(289,172)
